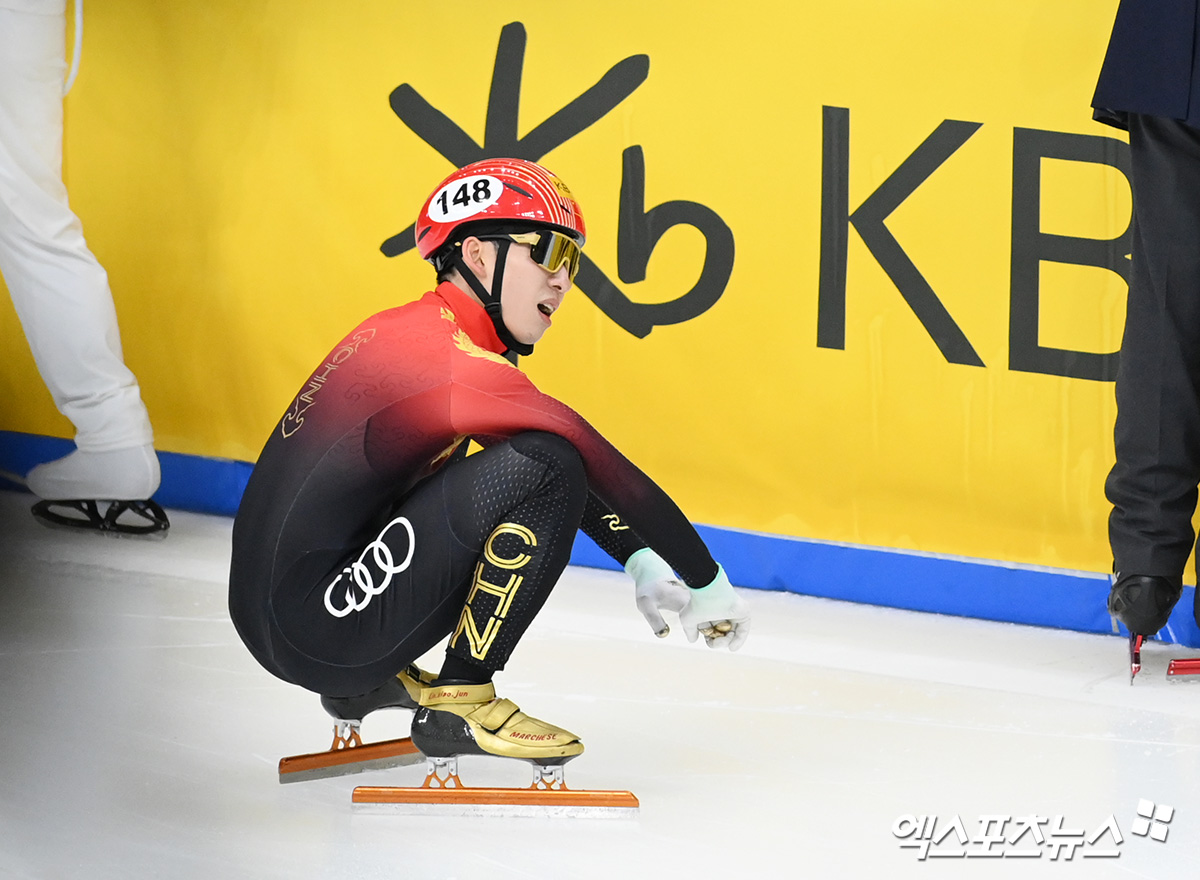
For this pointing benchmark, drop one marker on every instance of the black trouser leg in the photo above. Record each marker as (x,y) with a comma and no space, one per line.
(522,557)
(1153,484)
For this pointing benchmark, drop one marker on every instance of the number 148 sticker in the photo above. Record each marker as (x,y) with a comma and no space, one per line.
(465,198)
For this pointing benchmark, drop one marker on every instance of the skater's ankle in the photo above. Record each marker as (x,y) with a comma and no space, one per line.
(458,671)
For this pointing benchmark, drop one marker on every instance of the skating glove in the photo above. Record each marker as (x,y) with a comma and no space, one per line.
(717,612)
(657,589)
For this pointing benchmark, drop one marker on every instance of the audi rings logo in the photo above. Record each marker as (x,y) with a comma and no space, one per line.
(362,579)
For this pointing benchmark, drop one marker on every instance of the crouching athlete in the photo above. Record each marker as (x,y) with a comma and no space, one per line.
(366,535)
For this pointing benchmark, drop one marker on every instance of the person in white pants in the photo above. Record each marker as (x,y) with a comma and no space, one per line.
(59,289)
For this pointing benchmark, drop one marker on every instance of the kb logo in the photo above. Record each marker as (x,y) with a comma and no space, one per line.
(638,230)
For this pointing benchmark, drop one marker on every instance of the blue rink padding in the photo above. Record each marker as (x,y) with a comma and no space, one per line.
(898,579)
(915,581)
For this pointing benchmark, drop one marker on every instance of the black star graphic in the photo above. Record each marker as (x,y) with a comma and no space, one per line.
(500,132)
(638,231)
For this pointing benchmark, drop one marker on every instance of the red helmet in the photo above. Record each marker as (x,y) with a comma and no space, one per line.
(498,192)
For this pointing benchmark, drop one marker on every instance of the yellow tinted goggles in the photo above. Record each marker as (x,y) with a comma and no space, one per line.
(551,250)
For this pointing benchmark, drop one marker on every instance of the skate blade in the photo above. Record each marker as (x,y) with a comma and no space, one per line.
(1135,655)
(122,519)
(497,802)
(1184,670)
(345,762)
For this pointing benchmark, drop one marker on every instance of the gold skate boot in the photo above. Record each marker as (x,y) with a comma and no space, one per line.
(468,719)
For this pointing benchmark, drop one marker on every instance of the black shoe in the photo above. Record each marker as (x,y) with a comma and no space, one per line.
(1144,602)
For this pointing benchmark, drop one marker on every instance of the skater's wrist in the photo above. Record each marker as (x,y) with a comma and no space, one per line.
(645,566)
(716,595)
(656,588)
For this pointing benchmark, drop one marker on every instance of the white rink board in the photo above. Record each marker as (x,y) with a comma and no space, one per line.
(140,739)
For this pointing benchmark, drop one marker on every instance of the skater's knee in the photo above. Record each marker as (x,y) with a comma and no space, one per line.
(552,450)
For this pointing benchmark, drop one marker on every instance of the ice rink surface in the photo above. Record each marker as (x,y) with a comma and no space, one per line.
(141,740)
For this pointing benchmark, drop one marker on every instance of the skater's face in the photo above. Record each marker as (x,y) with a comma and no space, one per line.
(530,294)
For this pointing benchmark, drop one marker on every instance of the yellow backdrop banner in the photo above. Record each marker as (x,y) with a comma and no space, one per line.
(856,271)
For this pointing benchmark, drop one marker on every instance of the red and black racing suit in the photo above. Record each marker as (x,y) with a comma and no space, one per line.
(363,539)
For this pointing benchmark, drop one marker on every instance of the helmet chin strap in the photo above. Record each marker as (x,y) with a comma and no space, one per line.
(491,299)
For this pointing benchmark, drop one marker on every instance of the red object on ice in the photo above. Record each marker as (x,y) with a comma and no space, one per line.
(1178,669)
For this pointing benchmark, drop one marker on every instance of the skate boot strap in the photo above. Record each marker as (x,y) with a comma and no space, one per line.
(415,680)
(477,703)
(495,714)
(492,716)
(512,727)
(494,726)
(461,694)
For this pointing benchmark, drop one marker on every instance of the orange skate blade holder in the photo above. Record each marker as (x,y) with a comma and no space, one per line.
(1185,669)
(349,755)
(443,794)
